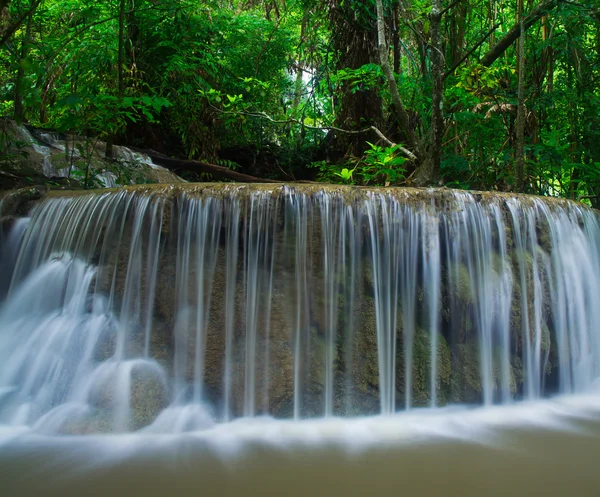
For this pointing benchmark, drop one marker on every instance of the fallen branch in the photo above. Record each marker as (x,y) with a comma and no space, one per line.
(8,175)
(200,167)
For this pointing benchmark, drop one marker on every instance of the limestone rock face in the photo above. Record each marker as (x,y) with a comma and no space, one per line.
(28,153)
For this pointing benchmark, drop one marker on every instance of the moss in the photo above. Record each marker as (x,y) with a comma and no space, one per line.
(365,358)
(520,315)
(460,282)
(517,371)
(421,369)
(499,264)
(466,377)
(442,199)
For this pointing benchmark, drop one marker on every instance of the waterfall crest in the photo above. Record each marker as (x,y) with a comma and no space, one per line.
(171,309)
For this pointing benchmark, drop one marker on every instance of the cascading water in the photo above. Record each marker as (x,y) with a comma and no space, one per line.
(168,310)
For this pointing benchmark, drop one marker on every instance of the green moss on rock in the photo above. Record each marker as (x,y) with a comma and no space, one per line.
(460,282)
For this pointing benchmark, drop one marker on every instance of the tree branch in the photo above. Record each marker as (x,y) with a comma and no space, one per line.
(405,151)
(451,6)
(10,30)
(470,52)
(509,38)
(378,132)
(83,29)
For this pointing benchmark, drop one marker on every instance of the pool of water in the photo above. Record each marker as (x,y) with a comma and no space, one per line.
(546,448)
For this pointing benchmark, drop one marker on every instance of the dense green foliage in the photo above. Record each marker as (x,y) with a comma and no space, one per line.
(293,89)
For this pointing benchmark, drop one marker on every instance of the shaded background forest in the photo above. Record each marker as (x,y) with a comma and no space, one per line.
(369,92)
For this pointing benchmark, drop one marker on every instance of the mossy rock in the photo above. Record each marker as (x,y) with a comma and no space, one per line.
(459,280)
(6,225)
(19,202)
(421,370)
(466,377)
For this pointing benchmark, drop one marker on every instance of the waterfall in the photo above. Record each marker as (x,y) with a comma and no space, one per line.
(175,308)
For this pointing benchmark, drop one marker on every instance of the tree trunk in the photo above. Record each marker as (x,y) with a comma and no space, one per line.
(298,84)
(520,125)
(19,111)
(437,98)
(493,15)
(121,55)
(177,165)
(411,139)
(4,16)
(396,39)
(549,55)
(120,74)
(354,41)
(429,170)
(457,33)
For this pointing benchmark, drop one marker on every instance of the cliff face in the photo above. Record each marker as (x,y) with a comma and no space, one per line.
(302,301)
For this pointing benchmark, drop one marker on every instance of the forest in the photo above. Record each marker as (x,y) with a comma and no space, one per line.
(471,94)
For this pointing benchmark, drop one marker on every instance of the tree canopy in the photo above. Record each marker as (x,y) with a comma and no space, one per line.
(496,95)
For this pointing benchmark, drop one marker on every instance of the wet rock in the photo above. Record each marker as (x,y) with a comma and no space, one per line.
(149,396)
(460,282)
(133,391)
(18,203)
